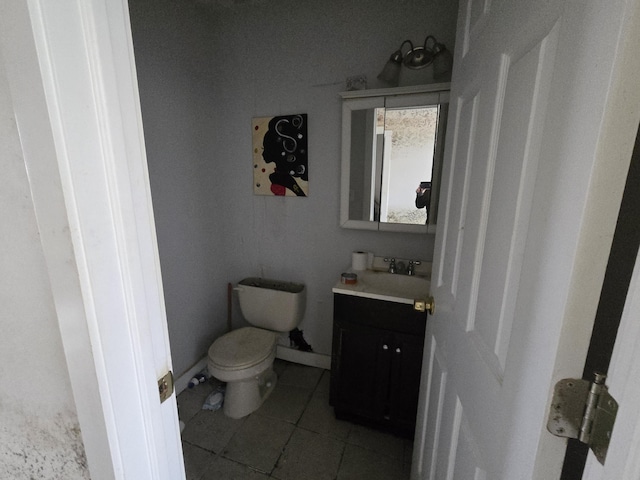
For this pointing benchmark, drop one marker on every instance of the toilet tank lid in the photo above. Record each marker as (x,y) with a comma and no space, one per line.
(272,284)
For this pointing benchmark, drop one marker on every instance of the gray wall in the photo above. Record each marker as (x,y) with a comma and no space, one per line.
(39,430)
(204,72)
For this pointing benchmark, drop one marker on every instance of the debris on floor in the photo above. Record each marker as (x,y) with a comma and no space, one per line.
(215,399)
(296,339)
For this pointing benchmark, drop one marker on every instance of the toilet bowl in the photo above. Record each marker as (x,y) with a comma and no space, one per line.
(244,357)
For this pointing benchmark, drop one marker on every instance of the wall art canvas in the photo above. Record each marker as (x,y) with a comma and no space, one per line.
(280,159)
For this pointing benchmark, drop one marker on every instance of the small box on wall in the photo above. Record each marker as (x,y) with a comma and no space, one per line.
(280,158)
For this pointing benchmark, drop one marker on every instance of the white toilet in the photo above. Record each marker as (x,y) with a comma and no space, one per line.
(244,357)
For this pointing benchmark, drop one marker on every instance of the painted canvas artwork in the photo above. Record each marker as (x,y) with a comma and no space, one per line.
(280,160)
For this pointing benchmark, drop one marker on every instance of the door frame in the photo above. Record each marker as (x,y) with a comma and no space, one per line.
(71,73)
(613,297)
(622,460)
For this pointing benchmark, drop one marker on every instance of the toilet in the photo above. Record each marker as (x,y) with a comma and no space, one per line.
(244,357)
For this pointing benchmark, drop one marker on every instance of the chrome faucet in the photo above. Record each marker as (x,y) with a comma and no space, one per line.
(399,267)
(392,264)
(411,268)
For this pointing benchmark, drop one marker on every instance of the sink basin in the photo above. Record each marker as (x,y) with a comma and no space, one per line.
(387,286)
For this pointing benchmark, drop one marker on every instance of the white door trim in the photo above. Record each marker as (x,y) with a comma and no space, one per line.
(622,460)
(72,77)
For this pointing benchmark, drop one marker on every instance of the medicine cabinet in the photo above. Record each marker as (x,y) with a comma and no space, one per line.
(392,141)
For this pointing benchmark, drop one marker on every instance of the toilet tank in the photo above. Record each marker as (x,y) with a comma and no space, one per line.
(272,304)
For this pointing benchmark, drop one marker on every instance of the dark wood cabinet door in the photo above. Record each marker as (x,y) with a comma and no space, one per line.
(363,368)
(404,383)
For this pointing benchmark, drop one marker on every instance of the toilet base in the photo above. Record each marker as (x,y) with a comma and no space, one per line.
(246,396)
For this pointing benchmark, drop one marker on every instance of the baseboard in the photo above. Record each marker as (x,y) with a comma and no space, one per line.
(311,359)
(182,382)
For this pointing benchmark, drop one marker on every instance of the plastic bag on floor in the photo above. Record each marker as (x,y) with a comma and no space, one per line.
(215,399)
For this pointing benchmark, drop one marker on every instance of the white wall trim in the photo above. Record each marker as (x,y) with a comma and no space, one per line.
(310,359)
(182,382)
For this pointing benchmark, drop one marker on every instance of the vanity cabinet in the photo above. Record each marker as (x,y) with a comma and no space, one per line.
(376,362)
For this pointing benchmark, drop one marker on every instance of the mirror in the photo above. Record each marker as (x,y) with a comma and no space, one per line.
(392,144)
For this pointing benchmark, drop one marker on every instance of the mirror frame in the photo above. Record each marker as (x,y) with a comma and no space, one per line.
(386,97)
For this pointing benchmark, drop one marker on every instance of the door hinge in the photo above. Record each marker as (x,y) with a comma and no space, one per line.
(165,386)
(585,411)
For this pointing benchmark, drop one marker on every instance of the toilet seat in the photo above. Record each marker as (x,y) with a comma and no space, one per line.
(242,348)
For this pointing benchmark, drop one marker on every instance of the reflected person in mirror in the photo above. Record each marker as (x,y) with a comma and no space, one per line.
(423,197)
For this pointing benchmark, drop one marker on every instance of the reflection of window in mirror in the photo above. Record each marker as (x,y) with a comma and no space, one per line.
(392,141)
(409,139)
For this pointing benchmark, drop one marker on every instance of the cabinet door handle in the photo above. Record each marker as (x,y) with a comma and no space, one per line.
(398,350)
(385,347)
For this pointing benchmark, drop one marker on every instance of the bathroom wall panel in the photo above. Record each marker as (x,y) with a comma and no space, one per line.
(39,433)
(300,238)
(174,45)
(204,73)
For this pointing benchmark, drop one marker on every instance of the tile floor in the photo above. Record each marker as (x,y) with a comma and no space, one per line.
(293,436)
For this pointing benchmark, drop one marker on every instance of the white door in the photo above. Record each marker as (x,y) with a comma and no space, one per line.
(623,459)
(536,157)
(72,79)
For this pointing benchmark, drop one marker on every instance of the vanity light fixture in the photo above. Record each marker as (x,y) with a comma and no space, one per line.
(416,58)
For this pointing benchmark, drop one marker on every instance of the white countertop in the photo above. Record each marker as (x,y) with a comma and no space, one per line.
(385,286)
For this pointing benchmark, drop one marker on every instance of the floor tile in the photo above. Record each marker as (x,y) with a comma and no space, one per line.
(324,383)
(361,464)
(319,417)
(406,468)
(259,442)
(196,460)
(377,441)
(301,376)
(309,456)
(211,430)
(224,469)
(286,402)
(293,436)
(408,451)
(279,366)
(190,401)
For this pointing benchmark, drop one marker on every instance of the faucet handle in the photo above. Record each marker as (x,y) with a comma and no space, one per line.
(412,264)
(392,264)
